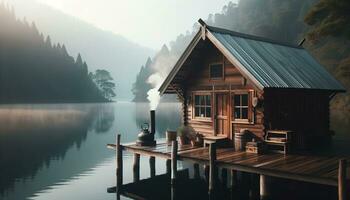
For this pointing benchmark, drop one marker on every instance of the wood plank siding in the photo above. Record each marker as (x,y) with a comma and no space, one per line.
(222,74)
(303,111)
(200,82)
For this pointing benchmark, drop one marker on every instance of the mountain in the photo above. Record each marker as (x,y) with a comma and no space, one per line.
(290,21)
(34,70)
(101,49)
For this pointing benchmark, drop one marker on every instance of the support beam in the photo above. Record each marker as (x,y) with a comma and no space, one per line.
(152,166)
(206,173)
(178,92)
(212,169)
(224,177)
(264,192)
(136,167)
(119,170)
(234,179)
(254,186)
(173,162)
(196,174)
(168,167)
(342,179)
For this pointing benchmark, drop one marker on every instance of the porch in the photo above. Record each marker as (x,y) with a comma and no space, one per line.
(331,170)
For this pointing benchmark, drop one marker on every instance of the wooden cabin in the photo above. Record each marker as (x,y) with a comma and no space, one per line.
(229,81)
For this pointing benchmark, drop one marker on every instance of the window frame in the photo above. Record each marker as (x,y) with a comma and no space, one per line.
(249,119)
(223,71)
(199,118)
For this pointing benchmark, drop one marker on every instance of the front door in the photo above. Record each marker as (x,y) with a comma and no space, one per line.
(222,119)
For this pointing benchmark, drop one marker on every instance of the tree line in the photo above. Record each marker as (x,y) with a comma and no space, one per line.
(34,70)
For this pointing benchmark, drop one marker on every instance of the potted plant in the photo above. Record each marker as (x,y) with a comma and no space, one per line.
(185,134)
(171,136)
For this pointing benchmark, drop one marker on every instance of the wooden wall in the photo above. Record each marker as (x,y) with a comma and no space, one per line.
(199,81)
(303,111)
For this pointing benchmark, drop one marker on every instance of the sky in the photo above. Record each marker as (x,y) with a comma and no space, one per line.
(150,23)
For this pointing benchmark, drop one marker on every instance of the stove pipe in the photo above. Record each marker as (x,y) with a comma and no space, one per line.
(153,121)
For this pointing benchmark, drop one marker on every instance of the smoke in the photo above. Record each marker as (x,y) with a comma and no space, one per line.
(161,65)
(156,81)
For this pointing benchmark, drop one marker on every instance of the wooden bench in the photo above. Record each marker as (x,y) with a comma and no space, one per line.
(279,138)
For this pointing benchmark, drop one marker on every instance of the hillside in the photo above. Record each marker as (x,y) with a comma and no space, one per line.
(101,49)
(34,70)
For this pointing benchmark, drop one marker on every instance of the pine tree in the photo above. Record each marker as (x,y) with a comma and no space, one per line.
(79,60)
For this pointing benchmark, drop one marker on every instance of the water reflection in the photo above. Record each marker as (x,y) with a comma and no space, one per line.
(58,151)
(33,136)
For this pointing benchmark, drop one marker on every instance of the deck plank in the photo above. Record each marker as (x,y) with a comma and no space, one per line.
(311,167)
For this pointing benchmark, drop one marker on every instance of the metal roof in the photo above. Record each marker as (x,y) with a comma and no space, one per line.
(274,64)
(267,63)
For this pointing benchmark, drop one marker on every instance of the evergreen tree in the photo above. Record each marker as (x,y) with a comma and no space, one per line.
(329,18)
(35,70)
(79,60)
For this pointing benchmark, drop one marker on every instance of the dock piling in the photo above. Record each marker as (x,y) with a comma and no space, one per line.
(212,168)
(196,174)
(136,167)
(233,179)
(168,167)
(342,179)
(152,166)
(224,177)
(119,170)
(173,162)
(264,193)
(206,173)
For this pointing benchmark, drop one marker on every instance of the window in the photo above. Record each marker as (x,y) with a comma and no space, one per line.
(240,108)
(202,106)
(216,71)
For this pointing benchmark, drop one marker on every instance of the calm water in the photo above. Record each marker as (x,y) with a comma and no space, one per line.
(59,151)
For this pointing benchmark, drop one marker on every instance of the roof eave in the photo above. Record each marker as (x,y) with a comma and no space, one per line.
(233,60)
(162,89)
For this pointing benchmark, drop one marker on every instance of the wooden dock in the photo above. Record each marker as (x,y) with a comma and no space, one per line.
(331,170)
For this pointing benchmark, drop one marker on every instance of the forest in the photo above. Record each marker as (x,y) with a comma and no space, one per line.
(34,70)
(323,23)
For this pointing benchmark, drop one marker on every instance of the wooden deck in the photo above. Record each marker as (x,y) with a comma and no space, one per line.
(324,170)
(308,168)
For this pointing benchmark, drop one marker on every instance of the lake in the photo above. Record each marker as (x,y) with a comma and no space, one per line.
(58,151)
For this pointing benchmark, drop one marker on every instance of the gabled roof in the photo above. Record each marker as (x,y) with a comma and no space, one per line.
(267,63)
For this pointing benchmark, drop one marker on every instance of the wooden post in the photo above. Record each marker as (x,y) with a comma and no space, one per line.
(212,169)
(173,192)
(224,177)
(233,178)
(119,170)
(254,186)
(206,173)
(168,167)
(342,179)
(173,162)
(196,174)
(264,193)
(136,167)
(152,166)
